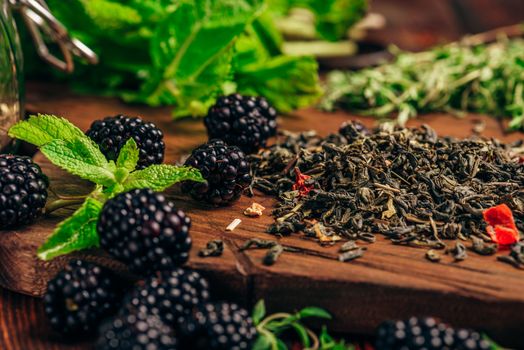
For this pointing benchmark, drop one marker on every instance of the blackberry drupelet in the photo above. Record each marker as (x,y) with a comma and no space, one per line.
(80,296)
(218,326)
(426,333)
(224,167)
(136,331)
(243,121)
(23,190)
(172,295)
(112,133)
(144,230)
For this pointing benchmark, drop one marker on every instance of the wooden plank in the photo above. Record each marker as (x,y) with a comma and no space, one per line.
(388,282)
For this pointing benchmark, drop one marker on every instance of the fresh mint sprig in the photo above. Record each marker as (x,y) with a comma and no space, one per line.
(69,148)
(270,328)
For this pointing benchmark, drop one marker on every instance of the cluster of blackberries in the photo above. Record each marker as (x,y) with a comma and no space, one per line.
(236,125)
(112,133)
(427,333)
(167,310)
(144,230)
(23,190)
(225,169)
(243,121)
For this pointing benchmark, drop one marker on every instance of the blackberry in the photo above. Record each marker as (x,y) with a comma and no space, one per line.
(136,331)
(23,190)
(171,295)
(353,130)
(243,121)
(426,333)
(79,297)
(224,167)
(218,326)
(112,133)
(145,231)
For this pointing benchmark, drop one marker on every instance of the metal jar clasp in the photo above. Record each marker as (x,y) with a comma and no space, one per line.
(40,21)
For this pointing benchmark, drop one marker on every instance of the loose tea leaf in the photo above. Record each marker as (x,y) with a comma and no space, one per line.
(458,251)
(432,255)
(431,188)
(483,248)
(484,79)
(213,248)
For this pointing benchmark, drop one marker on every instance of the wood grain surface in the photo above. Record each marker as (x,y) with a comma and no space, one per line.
(389,282)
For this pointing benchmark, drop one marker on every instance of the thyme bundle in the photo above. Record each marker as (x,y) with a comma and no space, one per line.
(458,77)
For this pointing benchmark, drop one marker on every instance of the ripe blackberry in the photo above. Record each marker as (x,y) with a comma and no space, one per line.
(353,130)
(224,167)
(23,190)
(218,326)
(243,121)
(136,331)
(426,333)
(172,295)
(79,297)
(112,133)
(145,231)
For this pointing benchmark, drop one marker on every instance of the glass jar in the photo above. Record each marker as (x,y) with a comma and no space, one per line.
(40,23)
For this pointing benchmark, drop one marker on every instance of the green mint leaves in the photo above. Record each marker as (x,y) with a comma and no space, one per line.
(159,177)
(42,129)
(74,233)
(69,148)
(184,53)
(270,327)
(82,158)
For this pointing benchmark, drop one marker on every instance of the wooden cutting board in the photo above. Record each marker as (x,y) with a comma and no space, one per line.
(388,282)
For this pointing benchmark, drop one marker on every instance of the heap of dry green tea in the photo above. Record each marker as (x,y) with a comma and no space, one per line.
(410,185)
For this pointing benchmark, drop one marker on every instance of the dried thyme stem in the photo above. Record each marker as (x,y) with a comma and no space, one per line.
(486,78)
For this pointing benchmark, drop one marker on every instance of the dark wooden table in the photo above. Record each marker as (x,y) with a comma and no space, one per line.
(411,24)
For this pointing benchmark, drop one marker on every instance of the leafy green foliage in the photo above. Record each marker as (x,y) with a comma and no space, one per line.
(271,327)
(42,129)
(69,148)
(332,18)
(183,53)
(159,177)
(75,233)
(80,157)
(129,155)
(457,77)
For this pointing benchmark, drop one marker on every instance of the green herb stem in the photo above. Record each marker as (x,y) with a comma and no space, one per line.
(62,203)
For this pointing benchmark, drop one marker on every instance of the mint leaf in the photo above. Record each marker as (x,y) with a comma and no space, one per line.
(314,312)
(80,157)
(264,342)
(302,334)
(75,233)
(128,156)
(160,177)
(286,82)
(259,311)
(42,129)
(191,50)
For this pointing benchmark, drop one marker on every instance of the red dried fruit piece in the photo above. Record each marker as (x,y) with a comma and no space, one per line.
(503,235)
(499,215)
(501,225)
(300,183)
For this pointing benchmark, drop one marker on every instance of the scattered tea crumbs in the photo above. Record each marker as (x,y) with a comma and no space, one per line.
(255,210)
(233,225)
(213,248)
